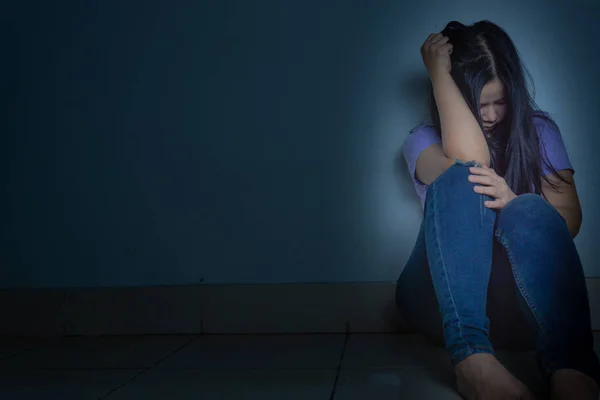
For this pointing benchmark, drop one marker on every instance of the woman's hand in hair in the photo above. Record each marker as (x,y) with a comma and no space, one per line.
(435,52)
(492,185)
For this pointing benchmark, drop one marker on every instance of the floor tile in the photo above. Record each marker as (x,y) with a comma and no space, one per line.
(259,351)
(10,347)
(373,352)
(63,385)
(405,384)
(135,352)
(366,351)
(229,384)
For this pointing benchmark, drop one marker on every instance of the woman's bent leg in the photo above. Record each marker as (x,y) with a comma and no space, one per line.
(458,237)
(551,282)
(418,305)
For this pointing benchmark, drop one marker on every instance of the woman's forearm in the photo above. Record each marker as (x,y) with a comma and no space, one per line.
(462,137)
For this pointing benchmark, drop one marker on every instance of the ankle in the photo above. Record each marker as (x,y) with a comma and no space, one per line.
(477,359)
(476,367)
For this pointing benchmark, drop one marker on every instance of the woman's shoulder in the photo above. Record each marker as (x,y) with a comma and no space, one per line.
(542,118)
(422,133)
(418,139)
(545,124)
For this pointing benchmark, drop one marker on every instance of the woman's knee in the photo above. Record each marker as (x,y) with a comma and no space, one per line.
(455,177)
(530,213)
(452,191)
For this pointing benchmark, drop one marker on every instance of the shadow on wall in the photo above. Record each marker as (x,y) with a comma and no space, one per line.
(413,96)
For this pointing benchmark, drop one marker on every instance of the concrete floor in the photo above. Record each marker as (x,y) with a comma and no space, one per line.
(315,367)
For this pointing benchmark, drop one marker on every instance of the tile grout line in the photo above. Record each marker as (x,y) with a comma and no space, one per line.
(64,313)
(19,352)
(339,368)
(104,396)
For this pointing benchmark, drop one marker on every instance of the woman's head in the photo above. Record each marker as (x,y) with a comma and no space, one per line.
(492,104)
(488,71)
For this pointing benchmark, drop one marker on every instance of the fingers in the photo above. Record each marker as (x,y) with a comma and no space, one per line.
(495,186)
(439,39)
(435,40)
(482,171)
(483,179)
(446,48)
(487,171)
(491,191)
(495,204)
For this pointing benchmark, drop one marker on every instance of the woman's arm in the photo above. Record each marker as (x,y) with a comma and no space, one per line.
(565,199)
(462,137)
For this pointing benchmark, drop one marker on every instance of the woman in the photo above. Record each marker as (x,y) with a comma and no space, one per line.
(495,265)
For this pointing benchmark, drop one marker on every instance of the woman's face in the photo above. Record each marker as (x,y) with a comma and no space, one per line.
(492,104)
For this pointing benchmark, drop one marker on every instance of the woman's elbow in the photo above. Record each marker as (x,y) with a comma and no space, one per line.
(483,161)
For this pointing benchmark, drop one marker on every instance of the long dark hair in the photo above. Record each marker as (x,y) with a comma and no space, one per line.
(482,53)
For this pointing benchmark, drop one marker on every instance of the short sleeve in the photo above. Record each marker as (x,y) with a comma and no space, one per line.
(552,142)
(418,140)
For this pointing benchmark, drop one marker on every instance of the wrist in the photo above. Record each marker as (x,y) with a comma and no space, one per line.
(439,75)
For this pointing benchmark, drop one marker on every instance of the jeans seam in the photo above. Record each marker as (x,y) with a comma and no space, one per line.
(435,225)
(546,364)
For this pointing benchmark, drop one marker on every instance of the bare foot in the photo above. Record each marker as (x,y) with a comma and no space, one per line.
(570,384)
(482,377)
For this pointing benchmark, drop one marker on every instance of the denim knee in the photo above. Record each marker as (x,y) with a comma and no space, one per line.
(531,212)
(455,175)
(454,187)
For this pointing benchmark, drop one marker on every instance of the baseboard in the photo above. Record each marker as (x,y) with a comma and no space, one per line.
(280,308)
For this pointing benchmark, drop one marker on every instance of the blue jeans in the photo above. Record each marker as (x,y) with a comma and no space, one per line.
(511,277)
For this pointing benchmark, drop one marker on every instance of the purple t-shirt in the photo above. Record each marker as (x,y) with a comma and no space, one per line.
(424,136)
